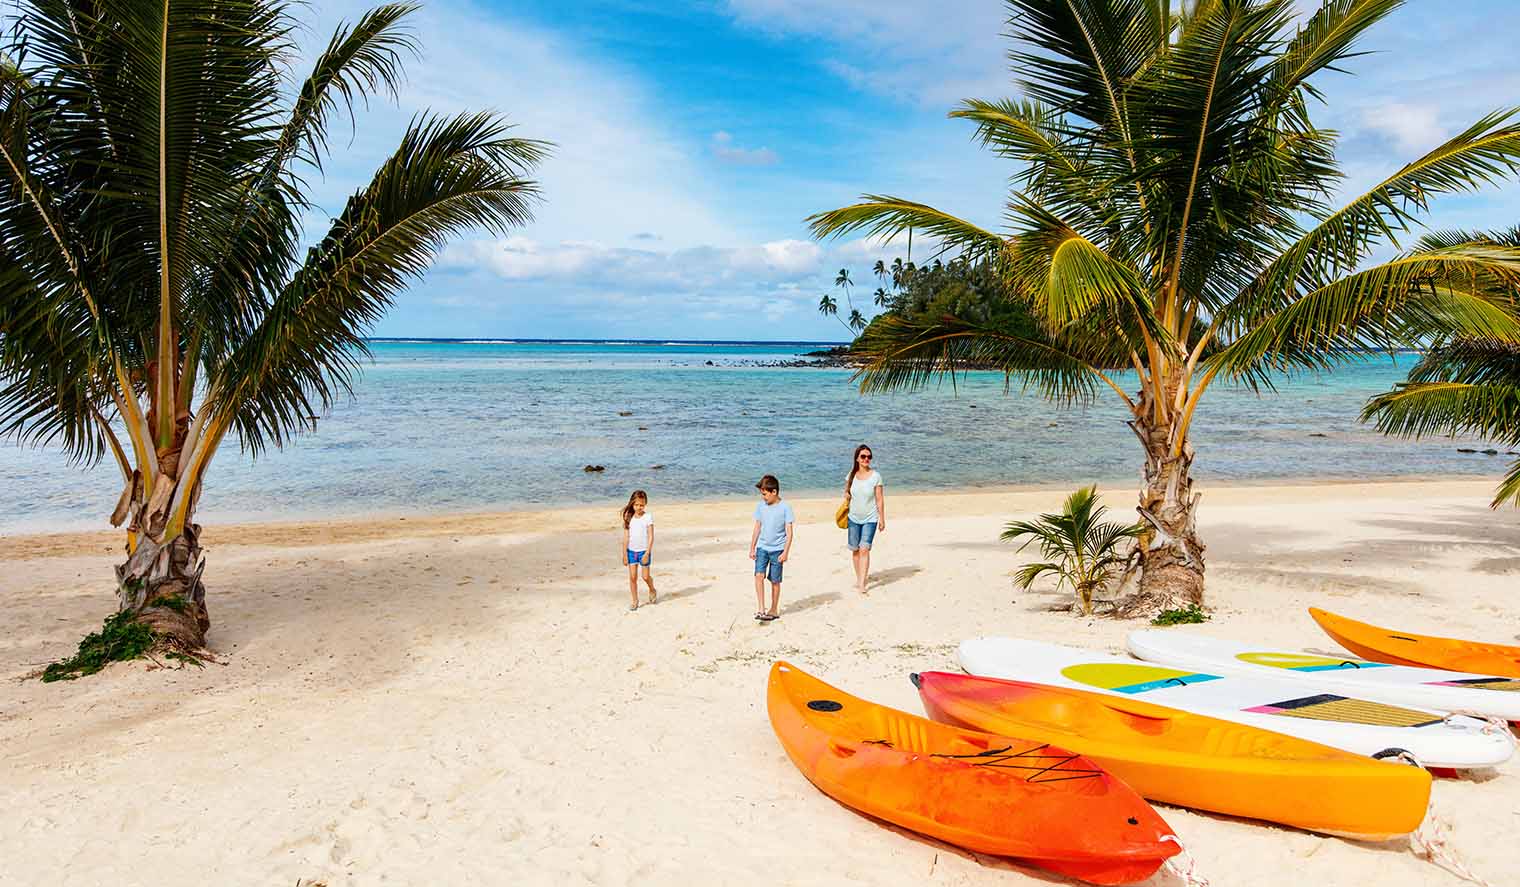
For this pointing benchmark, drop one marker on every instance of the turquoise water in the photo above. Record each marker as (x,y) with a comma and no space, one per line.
(464,426)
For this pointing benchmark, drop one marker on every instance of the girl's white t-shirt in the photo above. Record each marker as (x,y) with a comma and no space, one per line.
(638,531)
(863,498)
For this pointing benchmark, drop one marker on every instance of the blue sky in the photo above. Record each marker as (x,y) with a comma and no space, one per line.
(693,138)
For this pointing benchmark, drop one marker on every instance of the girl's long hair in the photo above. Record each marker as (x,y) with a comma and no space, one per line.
(628,509)
(855,466)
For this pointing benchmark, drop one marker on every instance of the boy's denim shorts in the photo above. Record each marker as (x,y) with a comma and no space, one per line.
(861,536)
(768,562)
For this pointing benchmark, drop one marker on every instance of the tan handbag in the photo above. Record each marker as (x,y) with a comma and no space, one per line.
(842,516)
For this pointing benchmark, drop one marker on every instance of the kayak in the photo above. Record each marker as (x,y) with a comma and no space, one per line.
(1191,760)
(1395,684)
(1406,648)
(984,792)
(1360,726)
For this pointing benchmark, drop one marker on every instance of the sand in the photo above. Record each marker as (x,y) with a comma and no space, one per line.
(467,700)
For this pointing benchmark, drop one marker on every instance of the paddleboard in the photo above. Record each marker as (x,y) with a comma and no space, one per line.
(1407,648)
(1348,723)
(1395,684)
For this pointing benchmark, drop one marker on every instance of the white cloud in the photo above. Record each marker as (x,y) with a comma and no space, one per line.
(724,149)
(616,169)
(1413,127)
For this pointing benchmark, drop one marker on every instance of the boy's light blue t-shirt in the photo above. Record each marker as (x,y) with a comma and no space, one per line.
(773,520)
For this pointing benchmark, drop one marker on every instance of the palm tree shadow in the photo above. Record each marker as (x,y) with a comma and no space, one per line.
(802,605)
(690,591)
(887,577)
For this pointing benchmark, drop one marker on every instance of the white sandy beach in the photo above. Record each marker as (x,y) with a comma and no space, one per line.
(467,700)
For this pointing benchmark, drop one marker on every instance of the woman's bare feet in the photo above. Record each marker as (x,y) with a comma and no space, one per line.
(652,595)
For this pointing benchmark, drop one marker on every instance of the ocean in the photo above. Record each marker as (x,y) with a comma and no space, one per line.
(483,425)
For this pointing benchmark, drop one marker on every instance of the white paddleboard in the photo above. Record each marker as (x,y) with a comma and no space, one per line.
(1396,684)
(1356,725)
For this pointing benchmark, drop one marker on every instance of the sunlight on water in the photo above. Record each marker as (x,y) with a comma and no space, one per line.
(482,426)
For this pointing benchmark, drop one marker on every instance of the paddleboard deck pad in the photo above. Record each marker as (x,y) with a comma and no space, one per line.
(1397,685)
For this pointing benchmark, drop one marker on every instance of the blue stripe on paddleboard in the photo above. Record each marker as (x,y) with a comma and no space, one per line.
(1167,682)
(1340,666)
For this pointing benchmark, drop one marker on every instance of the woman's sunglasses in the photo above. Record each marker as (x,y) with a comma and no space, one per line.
(864,457)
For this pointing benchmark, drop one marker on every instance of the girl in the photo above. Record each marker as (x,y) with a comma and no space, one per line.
(638,545)
(868,512)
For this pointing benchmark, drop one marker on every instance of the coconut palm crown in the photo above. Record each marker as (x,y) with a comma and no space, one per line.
(1173,214)
(155,296)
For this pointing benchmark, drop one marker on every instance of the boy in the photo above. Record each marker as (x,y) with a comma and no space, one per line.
(769,544)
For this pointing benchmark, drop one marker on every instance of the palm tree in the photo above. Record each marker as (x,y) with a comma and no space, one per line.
(1083,551)
(881,297)
(1462,386)
(880,270)
(155,283)
(857,321)
(1170,217)
(828,306)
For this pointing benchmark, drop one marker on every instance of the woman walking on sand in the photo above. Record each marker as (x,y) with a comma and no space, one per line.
(867,514)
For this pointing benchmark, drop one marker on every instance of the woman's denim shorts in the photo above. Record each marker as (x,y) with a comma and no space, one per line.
(861,535)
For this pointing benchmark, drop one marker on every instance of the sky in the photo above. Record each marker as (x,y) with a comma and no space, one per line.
(692,139)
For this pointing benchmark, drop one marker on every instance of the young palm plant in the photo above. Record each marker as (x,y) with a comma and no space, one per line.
(155,296)
(1083,551)
(1462,386)
(1171,217)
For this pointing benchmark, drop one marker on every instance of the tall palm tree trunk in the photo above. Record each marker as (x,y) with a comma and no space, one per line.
(1171,555)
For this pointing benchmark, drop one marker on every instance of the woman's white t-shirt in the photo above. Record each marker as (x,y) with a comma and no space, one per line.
(638,531)
(863,498)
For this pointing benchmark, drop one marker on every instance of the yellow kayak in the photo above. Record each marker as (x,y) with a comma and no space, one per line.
(1424,651)
(1191,760)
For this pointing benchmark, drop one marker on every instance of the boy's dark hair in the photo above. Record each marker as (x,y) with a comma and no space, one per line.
(769,482)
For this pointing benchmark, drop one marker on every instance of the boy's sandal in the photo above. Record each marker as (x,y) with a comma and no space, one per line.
(768,617)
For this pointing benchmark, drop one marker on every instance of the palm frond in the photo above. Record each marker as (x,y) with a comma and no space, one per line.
(447,176)
(1418,409)
(903,353)
(1468,289)
(887,217)
(1326,40)
(1483,154)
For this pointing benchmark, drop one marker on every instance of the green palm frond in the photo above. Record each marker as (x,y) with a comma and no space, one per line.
(887,217)
(447,176)
(1483,154)
(903,353)
(1466,289)
(1418,409)
(1326,40)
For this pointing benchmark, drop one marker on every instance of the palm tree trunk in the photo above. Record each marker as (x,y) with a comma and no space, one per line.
(160,582)
(1171,556)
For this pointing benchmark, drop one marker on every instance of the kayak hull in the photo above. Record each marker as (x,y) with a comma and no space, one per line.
(1191,760)
(1423,651)
(987,793)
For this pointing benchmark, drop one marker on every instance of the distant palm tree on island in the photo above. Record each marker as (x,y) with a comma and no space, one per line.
(154,285)
(1172,218)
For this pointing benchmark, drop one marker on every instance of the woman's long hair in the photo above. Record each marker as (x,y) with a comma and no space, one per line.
(628,509)
(855,465)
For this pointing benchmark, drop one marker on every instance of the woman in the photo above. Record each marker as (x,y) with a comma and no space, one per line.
(868,512)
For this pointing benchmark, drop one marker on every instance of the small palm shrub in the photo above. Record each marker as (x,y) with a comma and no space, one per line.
(1080,549)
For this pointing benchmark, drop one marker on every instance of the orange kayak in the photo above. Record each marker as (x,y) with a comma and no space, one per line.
(1404,648)
(987,793)
(1191,760)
